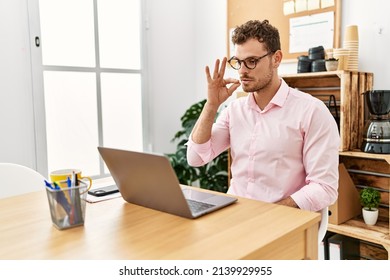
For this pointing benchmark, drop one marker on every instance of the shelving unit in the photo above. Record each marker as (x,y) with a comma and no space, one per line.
(347,88)
(373,163)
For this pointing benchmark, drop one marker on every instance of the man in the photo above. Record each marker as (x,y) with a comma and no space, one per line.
(283,142)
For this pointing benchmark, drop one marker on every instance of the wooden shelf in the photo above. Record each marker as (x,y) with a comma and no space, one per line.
(338,73)
(360,154)
(379,233)
(356,228)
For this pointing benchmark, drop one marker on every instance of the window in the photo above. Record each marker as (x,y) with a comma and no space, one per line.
(92,80)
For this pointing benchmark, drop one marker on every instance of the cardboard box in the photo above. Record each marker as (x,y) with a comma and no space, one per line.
(347,206)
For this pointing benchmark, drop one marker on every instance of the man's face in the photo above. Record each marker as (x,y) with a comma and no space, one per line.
(257,79)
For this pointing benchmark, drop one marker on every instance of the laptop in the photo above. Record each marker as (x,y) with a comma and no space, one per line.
(149,180)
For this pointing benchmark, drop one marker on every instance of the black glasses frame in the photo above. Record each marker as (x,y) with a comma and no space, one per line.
(257,59)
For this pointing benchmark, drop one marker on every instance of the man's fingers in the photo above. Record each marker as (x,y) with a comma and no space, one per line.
(232,88)
(208,76)
(223,67)
(218,72)
(231,81)
(216,69)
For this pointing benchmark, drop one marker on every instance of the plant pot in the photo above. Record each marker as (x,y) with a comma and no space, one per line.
(370,216)
(331,65)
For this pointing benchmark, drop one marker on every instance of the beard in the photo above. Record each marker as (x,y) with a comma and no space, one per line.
(258,84)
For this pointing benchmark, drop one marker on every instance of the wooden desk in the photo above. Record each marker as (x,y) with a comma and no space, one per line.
(115,229)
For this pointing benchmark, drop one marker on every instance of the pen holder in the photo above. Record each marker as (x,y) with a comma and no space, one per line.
(67,205)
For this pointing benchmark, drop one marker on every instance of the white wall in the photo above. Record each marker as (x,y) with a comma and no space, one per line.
(210,39)
(181,42)
(369,16)
(17,143)
(184,36)
(171,59)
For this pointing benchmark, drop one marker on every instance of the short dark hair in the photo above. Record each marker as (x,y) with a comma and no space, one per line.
(261,30)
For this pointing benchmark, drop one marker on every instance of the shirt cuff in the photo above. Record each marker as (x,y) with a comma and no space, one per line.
(199,148)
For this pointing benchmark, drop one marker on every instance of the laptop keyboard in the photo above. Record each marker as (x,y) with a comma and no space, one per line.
(197,206)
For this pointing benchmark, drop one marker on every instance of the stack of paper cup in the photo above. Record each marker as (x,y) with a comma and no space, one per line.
(351,42)
(342,55)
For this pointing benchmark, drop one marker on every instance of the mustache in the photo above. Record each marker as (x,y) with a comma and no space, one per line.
(245,77)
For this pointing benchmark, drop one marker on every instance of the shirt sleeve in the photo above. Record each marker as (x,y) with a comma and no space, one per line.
(201,154)
(320,158)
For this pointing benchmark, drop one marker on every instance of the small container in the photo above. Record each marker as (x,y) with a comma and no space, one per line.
(67,205)
(304,64)
(331,64)
(316,53)
(318,65)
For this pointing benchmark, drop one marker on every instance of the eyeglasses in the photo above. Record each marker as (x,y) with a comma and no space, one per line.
(249,63)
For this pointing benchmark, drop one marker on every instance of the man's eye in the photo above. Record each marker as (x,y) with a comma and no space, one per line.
(251,61)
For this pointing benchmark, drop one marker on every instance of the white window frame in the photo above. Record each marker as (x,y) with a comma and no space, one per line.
(38,88)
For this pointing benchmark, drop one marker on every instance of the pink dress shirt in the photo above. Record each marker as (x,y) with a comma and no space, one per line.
(288,149)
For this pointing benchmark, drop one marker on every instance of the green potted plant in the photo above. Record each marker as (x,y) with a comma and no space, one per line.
(212,176)
(370,199)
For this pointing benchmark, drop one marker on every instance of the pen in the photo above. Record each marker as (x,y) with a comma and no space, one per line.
(74,179)
(65,191)
(56,186)
(60,196)
(48,185)
(77,211)
(72,210)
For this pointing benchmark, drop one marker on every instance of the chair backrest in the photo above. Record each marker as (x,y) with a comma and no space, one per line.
(323,227)
(17,179)
(323,224)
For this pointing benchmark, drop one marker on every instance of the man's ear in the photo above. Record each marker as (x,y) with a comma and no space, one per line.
(277,58)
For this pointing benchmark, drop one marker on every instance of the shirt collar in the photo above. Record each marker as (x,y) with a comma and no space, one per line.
(281,95)
(279,98)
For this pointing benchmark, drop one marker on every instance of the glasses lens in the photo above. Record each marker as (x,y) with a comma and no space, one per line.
(235,63)
(250,63)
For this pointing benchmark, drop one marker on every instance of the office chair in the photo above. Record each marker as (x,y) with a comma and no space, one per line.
(322,229)
(17,179)
(323,224)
